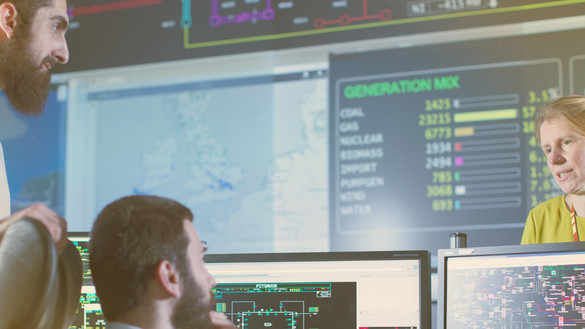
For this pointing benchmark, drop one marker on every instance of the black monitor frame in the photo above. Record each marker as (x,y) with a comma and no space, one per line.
(445,254)
(422,256)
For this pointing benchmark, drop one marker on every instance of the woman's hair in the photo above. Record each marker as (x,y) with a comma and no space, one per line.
(570,109)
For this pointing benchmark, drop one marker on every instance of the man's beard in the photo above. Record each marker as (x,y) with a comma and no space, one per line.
(26,85)
(192,309)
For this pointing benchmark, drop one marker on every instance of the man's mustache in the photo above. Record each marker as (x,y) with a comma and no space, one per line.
(50,61)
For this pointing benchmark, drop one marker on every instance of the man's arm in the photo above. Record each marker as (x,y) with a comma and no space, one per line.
(56,225)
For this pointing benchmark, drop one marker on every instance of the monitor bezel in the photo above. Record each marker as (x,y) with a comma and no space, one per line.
(443,255)
(422,255)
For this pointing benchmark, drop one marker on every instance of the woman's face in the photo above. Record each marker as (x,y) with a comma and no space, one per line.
(565,153)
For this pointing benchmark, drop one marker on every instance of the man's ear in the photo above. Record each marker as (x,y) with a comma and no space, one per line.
(8,15)
(168,277)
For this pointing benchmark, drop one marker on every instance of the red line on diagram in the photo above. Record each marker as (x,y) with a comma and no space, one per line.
(383,15)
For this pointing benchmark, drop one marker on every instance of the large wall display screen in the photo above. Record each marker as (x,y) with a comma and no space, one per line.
(430,140)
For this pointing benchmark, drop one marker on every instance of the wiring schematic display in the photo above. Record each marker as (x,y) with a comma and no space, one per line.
(428,139)
(521,297)
(191,29)
(288,305)
(89,311)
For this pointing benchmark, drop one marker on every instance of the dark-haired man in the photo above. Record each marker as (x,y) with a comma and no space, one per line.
(148,268)
(32,42)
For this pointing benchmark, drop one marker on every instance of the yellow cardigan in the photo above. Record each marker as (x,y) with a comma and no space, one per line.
(550,222)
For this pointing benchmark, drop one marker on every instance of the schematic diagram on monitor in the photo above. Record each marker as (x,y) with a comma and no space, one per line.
(517,297)
(89,312)
(215,18)
(290,314)
(288,305)
(266,20)
(188,29)
(239,22)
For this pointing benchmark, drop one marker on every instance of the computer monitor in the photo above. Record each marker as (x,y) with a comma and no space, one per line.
(528,286)
(89,312)
(379,289)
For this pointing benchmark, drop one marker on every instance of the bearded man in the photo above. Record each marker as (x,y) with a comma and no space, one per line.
(148,268)
(32,42)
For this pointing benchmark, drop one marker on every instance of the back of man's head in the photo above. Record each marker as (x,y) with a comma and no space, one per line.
(128,239)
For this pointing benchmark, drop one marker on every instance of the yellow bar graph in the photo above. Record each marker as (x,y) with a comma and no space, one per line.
(464,131)
(485,115)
